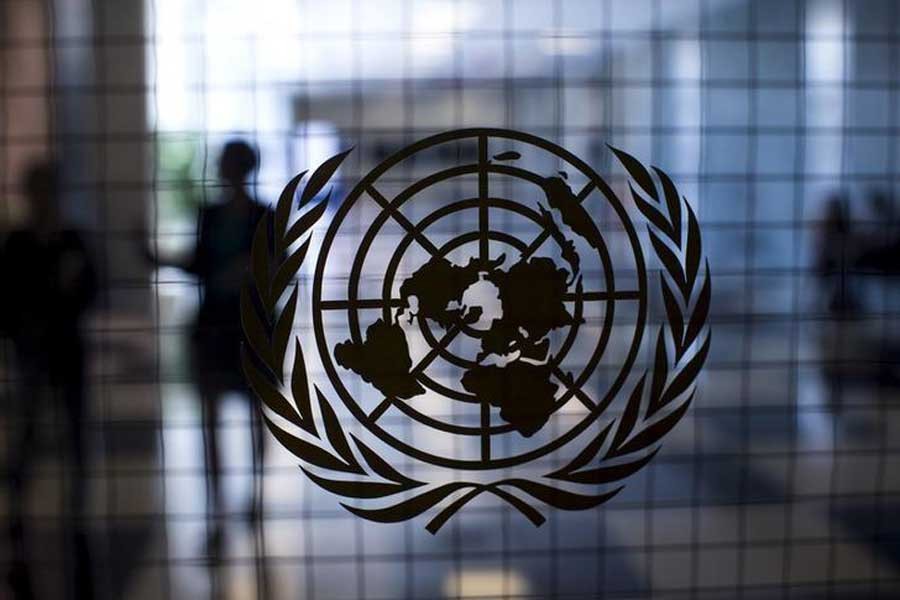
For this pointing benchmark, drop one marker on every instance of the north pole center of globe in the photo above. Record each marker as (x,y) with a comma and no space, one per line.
(481,303)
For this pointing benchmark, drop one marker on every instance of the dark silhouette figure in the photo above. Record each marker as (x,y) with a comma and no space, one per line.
(853,264)
(221,261)
(49,284)
(836,253)
(834,259)
(879,258)
(882,258)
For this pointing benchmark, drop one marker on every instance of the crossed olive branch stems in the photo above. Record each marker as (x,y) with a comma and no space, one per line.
(362,475)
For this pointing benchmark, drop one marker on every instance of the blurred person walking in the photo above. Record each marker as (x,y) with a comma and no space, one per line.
(221,261)
(835,254)
(50,283)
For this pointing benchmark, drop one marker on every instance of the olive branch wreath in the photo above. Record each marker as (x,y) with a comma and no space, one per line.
(362,475)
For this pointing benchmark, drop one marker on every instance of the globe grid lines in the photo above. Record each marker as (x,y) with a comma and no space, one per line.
(484,235)
(353,303)
(344,463)
(444,211)
(438,346)
(372,303)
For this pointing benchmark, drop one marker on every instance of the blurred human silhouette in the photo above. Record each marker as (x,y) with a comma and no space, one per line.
(49,284)
(881,255)
(835,254)
(220,261)
(854,266)
(878,259)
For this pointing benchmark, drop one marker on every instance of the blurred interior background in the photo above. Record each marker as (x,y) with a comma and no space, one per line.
(777,119)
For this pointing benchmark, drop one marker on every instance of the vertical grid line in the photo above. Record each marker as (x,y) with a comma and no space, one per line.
(306,511)
(358,529)
(799,193)
(484,226)
(834,475)
(151,15)
(883,405)
(748,290)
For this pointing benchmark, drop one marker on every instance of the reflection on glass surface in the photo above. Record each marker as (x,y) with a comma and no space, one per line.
(778,119)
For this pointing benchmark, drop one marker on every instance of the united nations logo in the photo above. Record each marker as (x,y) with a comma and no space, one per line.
(478,328)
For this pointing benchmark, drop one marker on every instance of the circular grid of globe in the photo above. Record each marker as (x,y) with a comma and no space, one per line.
(464,342)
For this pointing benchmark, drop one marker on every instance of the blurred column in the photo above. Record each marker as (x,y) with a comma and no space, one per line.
(825,65)
(24,104)
(678,109)
(73,85)
(105,140)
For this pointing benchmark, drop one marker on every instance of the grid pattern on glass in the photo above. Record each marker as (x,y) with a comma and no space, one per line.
(783,480)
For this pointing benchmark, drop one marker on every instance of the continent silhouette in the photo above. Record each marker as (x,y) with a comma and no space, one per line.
(439,283)
(533,294)
(382,360)
(569,254)
(512,372)
(560,197)
(521,390)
